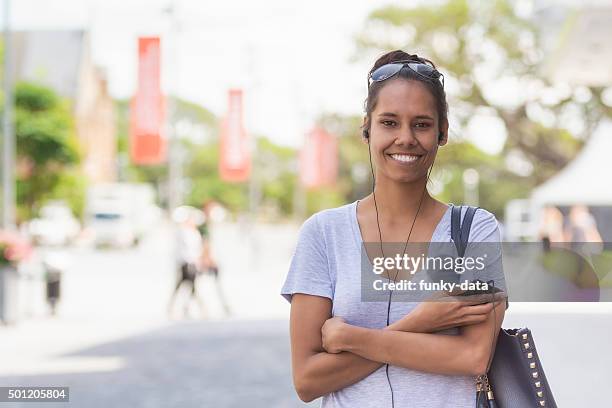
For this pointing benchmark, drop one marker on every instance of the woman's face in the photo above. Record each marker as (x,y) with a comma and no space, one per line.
(404,131)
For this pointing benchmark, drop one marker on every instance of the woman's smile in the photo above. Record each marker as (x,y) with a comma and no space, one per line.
(405,159)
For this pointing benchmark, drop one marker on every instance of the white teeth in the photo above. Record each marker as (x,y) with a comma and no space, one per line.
(404,157)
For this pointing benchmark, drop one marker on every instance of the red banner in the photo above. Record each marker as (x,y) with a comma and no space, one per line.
(147,108)
(235,160)
(319,159)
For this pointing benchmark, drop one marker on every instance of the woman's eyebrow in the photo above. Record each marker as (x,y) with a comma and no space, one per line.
(389,114)
(395,115)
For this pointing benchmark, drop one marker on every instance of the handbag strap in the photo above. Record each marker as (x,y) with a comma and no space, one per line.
(460,232)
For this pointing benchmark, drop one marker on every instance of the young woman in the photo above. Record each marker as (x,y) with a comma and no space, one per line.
(369,354)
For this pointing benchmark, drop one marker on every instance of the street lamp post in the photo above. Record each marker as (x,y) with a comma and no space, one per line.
(8,140)
(175,170)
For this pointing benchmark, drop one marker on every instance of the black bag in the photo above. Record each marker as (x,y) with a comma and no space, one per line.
(515,377)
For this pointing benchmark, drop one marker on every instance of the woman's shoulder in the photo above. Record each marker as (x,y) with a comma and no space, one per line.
(330,217)
(485,226)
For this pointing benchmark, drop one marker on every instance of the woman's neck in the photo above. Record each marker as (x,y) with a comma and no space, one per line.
(401,201)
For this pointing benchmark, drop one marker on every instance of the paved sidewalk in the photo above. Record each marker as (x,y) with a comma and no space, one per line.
(182,365)
(247,364)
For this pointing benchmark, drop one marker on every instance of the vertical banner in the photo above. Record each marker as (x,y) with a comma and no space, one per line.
(235,157)
(319,159)
(147,108)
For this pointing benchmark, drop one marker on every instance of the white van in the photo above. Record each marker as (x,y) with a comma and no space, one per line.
(120,214)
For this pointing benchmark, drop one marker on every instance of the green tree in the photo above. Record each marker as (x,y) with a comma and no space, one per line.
(201,168)
(47,150)
(276,169)
(272,167)
(476,43)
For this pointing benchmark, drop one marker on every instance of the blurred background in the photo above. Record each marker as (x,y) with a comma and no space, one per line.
(158,158)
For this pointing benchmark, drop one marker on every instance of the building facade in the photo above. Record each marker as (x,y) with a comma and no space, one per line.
(62,61)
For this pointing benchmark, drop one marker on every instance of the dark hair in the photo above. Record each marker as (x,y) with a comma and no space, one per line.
(434,86)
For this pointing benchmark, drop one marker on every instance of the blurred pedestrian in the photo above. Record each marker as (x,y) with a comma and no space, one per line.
(188,255)
(565,257)
(582,226)
(55,263)
(208,262)
(551,229)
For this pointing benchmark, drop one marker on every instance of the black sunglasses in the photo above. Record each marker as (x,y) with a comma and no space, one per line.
(389,70)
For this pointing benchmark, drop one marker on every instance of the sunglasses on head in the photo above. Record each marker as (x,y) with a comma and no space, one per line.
(388,70)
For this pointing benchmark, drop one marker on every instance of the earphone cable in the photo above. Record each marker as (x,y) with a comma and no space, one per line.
(405,246)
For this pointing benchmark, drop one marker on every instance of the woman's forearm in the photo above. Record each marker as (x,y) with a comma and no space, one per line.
(324,373)
(433,353)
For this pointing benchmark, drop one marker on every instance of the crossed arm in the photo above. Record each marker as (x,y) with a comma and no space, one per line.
(358,352)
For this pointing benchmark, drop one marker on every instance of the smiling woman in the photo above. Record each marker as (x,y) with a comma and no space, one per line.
(388,354)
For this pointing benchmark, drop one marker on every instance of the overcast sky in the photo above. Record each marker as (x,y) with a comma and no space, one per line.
(292,58)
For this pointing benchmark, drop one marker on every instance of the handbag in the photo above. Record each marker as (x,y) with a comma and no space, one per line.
(515,377)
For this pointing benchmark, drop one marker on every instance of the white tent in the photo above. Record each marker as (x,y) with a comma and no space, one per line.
(585,180)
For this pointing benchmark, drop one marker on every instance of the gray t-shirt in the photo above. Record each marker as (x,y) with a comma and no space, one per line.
(327,263)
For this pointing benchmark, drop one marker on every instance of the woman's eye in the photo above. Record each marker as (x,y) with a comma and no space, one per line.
(422,125)
(388,123)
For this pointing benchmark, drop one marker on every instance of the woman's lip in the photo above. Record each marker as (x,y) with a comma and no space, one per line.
(418,156)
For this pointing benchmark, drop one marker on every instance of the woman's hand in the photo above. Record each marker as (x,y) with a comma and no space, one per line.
(448,311)
(332,334)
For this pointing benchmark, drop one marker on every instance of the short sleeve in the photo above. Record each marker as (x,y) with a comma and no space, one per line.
(485,241)
(309,268)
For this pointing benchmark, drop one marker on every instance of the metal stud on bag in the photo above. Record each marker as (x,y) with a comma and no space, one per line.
(534,374)
(483,383)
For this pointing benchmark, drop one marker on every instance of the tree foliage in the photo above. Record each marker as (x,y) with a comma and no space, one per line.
(47,150)
(479,45)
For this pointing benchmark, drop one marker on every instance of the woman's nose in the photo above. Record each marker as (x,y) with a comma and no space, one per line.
(406,138)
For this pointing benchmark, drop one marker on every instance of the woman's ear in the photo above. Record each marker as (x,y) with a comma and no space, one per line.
(365,130)
(443,134)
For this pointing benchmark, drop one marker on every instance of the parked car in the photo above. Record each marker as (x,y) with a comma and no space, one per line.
(56,225)
(120,214)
